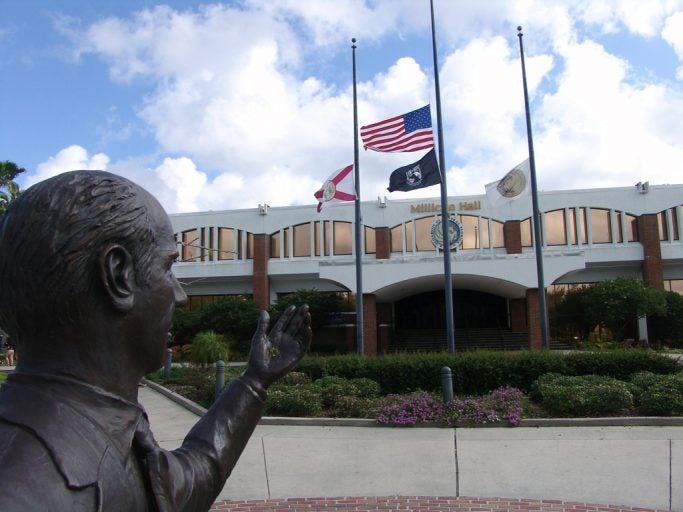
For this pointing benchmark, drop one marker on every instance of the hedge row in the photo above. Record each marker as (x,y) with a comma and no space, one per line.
(479,372)
(645,393)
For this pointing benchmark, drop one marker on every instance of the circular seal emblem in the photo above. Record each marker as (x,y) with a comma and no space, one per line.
(329,190)
(512,184)
(454,234)
(414,176)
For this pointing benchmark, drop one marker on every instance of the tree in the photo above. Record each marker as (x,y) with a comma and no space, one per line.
(571,315)
(232,316)
(619,302)
(668,327)
(321,305)
(9,190)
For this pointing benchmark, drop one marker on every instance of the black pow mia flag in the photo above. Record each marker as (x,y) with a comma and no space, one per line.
(421,174)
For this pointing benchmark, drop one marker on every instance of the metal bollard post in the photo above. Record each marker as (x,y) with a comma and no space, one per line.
(167,364)
(220,378)
(447,384)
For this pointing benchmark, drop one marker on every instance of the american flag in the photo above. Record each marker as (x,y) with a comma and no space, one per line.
(409,132)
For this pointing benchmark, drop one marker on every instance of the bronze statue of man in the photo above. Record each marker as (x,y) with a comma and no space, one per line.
(87,294)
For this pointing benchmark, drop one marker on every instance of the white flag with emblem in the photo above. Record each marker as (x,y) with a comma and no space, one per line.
(515,184)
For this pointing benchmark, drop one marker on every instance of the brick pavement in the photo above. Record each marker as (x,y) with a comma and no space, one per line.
(414,503)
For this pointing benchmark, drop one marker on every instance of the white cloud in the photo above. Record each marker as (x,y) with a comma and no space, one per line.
(597,130)
(71,158)
(641,18)
(245,108)
(181,176)
(672,33)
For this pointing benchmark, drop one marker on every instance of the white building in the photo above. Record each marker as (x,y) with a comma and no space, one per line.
(588,236)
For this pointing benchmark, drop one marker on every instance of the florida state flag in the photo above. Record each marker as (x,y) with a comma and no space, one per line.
(338,187)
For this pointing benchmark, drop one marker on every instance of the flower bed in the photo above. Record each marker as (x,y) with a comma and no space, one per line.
(549,395)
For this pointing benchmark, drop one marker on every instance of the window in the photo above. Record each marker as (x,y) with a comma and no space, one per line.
(525,228)
(199,301)
(212,248)
(497,233)
(226,244)
(240,245)
(674,285)
(626,222)
(302,240)
(423,234)
(674,223)
(662,224)
(631,227)
(277,238)
(555,230)
(370,241)
(577,226)
(469,231)
(396,235)
(483,235)
(325,225)
(601,227)
(409,234)
(250,246)
(190,244)
(342,237)
(620,227)
(490,233)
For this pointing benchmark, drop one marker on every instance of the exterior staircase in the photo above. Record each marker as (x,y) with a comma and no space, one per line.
(431,340)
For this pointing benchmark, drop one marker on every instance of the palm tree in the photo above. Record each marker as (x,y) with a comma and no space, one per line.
(9,190)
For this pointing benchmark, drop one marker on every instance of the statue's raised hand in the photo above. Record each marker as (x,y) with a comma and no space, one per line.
(274,354)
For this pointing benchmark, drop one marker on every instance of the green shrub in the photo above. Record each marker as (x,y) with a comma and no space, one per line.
(196,384)
(639,382)
(297,401)
(333,390)
(367,388)
(585,395)
(209,347)
(186,323)
(620,364)
(176,376)
(294,379)
(352,407)
(479,372)
(658,395)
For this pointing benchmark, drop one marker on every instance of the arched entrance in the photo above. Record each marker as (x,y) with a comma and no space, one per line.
(472,310)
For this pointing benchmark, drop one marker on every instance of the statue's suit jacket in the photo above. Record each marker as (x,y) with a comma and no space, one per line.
(69,446)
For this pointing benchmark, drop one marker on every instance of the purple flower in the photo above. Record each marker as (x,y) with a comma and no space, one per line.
(503,404)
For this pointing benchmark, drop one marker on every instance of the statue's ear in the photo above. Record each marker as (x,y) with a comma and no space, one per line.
(118,277)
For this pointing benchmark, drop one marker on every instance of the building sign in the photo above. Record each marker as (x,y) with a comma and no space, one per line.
(436,207)
(454,234)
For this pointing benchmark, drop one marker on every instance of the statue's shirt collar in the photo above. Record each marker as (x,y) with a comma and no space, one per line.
(66,413)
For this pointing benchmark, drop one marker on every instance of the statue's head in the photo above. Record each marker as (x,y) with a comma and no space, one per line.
(75,244)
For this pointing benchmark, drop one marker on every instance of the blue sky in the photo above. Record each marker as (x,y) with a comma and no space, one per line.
(233,104)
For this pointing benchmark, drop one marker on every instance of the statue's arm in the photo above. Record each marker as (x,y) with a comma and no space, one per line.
(199,468)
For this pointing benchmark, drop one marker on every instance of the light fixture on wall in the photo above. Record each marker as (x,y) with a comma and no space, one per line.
(382,201)
(263,209)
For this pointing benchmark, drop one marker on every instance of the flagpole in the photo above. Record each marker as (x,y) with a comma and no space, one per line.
(360,346)
(448,282)
(536,217)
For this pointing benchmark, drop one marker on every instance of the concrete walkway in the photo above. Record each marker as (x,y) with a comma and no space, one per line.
(544,468)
